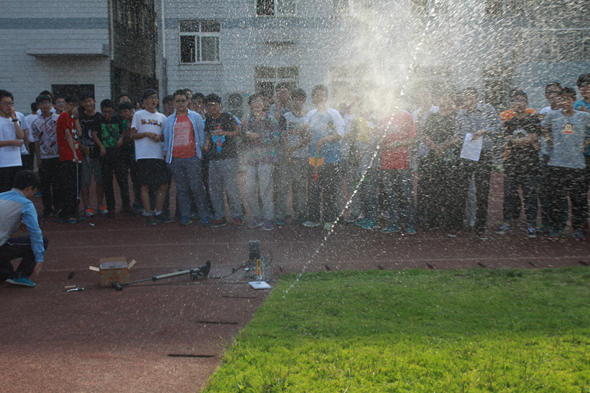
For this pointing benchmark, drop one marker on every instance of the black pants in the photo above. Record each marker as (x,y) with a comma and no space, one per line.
(50,184)
(126,155)
(7,175)
(69,189)
(439,187)
(328,184)
(561,182)
(482,170)
(114,164)
(18,247)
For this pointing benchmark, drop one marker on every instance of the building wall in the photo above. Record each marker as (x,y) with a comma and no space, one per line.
(53,27)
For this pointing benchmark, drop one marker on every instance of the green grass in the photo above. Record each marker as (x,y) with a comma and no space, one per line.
(417,331)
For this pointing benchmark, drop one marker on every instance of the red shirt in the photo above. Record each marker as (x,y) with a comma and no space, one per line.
(184,138)
(65,122)
(401,128)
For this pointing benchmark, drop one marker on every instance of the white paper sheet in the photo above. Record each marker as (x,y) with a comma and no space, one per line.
(471,149)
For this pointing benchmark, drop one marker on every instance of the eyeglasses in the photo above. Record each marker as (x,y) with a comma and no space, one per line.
(7,103)
(213,104)
(180,101)
(154,97)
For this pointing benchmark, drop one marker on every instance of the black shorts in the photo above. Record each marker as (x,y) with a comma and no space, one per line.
(153,172)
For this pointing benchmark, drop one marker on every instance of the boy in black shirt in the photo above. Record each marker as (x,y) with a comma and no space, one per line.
(521,163)
(110,140)
(221,131)
(90,121)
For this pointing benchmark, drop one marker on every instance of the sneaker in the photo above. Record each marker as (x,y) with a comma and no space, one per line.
(504,229)
(150,220)
(391,228)
(410,231)
(62,220)
(352,219)
(481,235)
(47,214)
(185,220)
(89,212)
(238,223)
(361,222)
(73,220)
(102,210)
(25,282)
(218,223)
(328,226)
(255,223)
(110,214)
(163,218)
(531,233)
(136,207)
(205,222)
(310,224)
(279,222)
(554,235)
(543,229)
(370,225)
(37,194)
(579,235)
(127,210)
(268,225)
(454,233)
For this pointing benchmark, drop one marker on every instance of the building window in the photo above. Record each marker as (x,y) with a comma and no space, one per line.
(275,7)
(429,7)
(199,41)
(266,78)
(501,7)
(352,6)
(553,45)
(66,90)
(495,86)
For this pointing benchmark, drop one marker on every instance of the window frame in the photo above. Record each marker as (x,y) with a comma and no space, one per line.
(198,35)
(275,10)
(351,9)
(276,79)
(431,7)
(505,7)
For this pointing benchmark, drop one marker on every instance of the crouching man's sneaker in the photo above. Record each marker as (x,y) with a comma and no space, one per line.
(25,282)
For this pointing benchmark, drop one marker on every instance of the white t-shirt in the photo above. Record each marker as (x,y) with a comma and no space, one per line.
(10,155)
(547,110)
(52,111)
(144,121)
(29,120)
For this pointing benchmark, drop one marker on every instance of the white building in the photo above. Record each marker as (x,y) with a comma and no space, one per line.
(236,47)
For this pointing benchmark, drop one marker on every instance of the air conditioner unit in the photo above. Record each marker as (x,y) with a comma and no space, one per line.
(237,104)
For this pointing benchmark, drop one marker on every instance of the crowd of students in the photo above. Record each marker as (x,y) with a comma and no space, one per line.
(364,159)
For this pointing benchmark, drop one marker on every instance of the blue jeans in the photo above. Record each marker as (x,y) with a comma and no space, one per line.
(400,179)
(224,173)
(260,176)
(370,198)
(529,190)
(187,175)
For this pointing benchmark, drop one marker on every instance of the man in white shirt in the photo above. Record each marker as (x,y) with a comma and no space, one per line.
(147,131)
(11,140)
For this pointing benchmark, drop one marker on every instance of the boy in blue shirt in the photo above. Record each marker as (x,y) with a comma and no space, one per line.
(16,206)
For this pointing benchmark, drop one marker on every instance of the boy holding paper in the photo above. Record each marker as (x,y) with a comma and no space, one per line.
(476,124)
